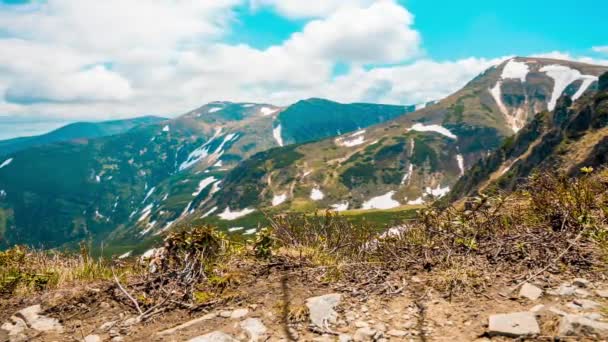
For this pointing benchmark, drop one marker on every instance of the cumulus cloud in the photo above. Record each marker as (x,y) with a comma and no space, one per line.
(308,9)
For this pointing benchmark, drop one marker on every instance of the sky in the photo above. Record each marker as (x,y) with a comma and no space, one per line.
(67,60)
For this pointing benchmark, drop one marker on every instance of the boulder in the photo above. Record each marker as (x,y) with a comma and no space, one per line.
(254,328)
(321,309)
(216,336)
(516,324)
(31,315)
(530,291)
(574,325)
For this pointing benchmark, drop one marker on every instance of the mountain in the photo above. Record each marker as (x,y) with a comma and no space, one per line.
(572,136)
(134,184)
(78,130)
(411,159)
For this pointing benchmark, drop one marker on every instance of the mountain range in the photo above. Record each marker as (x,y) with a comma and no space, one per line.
(230,163)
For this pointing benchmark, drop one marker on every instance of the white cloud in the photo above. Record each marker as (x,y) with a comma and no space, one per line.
(308,9)
(600,49)
(568,57)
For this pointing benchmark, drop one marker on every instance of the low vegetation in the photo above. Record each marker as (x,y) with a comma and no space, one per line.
(552,224)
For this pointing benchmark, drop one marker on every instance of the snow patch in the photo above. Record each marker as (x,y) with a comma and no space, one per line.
(420,106)
(6,162)
(250,231)
(229,215)
(460,160)
(385,201)
(516,70)
(235,229)
(342,206)
(166,128)
(417,201)
(145,212)
(214,109)
(276,133)
(407,178)
(563,76)
(203,184)
(438,191)
(199,153)
(2,193)
(208,213)
(266,111)
(149,194)
(587,81)
(316,194)
(433,128)
(248,105)
(125,255)
(279,199)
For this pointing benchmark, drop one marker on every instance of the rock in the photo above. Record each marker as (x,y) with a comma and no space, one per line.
(92,338)
(131,321)
(537,308)
(586,304)
(225,314)
(530,291)
(566,290)
(215,336)
(513,325)
(361,324)
(239,313)
(602,293)
(254,327)
(574,325)
(14,328)
(117,339)
(323,338)
(171,331)
(580,282)
(322,311)
(293,334)
(345,338)
(31,315)
(582,293)
(364,334)
(396,333)
(104,305)
(107,326)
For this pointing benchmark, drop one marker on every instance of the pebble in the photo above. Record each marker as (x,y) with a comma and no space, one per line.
(516,324)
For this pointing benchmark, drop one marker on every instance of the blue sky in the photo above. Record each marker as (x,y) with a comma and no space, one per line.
(66,60)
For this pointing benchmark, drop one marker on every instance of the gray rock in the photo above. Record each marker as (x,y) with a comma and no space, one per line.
(31,315)
(225,314)
(107,326)
(239,313)
(345,338)
(364,334)
(396,333)
(15,327)
(117,339)
(537,308)
(586,304)
(574,325)
(254,328)
(321,309)
(580,282)
(582,293)
(215,336)
(92,338)
(361,324)
(530,291)
(513,325)
(565,290)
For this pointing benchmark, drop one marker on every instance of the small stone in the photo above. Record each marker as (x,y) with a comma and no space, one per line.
(293,333)
(117,339)
(361,324)
(364,334)
(113,333)
(225,314)
(574,325)
(381,327)
(581,282)
(513,325)
(254,327)
(92,338)
(530,291)
(215,336)
(321,309)
(104,305)
(345,338)
(602,293)
(582,293)
(323,338)
(106,326)
(416,279)
(396,333)
(537,308)
(565,290)
(239,313)
(586,304)
(131,321)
